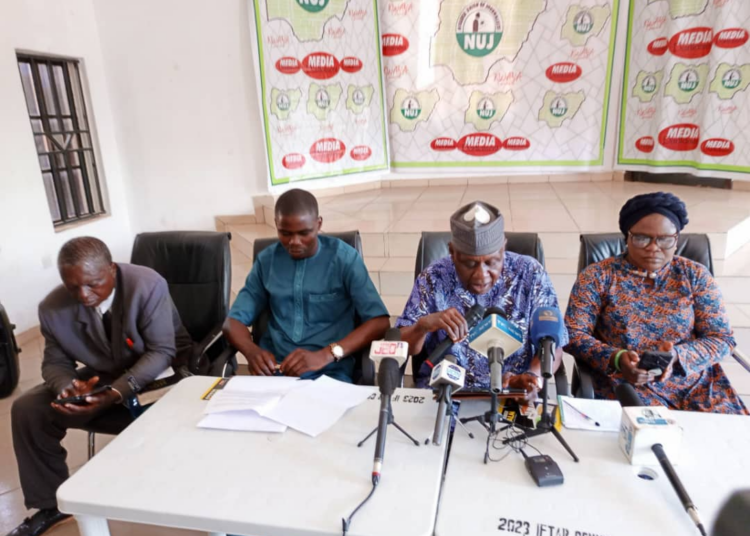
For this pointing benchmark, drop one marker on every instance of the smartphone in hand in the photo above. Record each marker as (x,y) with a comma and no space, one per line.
(80,400)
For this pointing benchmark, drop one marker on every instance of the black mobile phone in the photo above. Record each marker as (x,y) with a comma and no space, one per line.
(656,361)
(80,400)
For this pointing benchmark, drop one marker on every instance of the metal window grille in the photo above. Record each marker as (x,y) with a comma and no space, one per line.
(57,110)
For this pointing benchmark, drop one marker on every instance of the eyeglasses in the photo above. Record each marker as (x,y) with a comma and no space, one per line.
(642,241)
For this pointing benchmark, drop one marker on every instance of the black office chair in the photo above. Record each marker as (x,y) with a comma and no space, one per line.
(364,368)
(198,269)
(9,350)
(600,246)
(434,246)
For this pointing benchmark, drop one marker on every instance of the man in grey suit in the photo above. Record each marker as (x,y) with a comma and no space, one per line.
(119,322)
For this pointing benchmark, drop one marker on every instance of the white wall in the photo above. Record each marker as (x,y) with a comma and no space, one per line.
(182,84)
(28,241)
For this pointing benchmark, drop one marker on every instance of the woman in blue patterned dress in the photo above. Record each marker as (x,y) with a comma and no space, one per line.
(650,299)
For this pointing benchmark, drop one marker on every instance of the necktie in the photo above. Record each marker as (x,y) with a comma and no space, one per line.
(107,321)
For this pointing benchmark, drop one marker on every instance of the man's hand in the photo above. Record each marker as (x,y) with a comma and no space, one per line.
(450,320)
(527,382)
(300,361)
(667,347)
(94,403)
(260,362)
(629,367)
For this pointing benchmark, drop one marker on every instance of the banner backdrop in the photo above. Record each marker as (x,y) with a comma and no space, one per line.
(321,87)
(685,100)
(497,83)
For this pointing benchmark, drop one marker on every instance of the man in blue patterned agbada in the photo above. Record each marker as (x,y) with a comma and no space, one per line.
(478,270)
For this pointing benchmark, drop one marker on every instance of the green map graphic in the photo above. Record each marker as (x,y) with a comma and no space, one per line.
(322,100)
(647,85)
(410,109)
(557,107)
(729,79)
(487,108)
(684,8)
(306,17)
(583,22)
(473,36)
(686,81)
(284,103)
(358,98)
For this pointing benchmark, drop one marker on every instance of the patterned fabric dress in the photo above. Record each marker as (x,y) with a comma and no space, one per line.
(522,286)
(612,307)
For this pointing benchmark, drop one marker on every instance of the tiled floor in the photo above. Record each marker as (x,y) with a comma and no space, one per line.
(390,221)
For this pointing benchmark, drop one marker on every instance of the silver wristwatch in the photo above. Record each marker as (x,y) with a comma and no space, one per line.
(337,351)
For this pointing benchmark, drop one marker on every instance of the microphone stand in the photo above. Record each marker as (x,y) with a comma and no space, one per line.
(547,422)
(489,419)
(391,420)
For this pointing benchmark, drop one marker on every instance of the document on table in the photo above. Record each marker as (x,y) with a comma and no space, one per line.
(584,414)
(315,407)
(242,401)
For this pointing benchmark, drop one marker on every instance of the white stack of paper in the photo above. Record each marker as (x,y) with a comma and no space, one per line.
(248,403)
(586,414)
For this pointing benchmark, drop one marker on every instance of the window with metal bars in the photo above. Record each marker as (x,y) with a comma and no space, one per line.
(62,134)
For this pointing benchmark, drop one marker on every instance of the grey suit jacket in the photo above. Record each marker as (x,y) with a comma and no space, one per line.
(147,334)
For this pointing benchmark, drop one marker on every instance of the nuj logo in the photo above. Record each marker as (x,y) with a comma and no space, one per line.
(358,97)
(681,137)
(559,107)
(583,22)
(648,84)
(486,108)
(479,29)
(313,6)
(322,99)
(327,150)
(731,79)
(282,102)
(688,81)
(394,44)
(411,108)
(564,72)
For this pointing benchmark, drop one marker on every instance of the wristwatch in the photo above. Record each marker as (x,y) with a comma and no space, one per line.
(337,351)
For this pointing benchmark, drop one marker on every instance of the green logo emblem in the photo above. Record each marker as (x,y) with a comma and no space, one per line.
(282,102)
(410,108)
(583,23)
(479,29)
(688,81)
(486,108)
(322,99)
(559,107)
(313,6)
(649,84)
(731,79)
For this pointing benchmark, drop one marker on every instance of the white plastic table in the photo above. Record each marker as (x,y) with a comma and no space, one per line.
(602,495)
(163,470)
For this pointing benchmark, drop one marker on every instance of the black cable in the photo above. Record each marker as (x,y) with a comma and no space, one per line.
(346,523)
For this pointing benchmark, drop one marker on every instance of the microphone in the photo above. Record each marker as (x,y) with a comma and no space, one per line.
(734,517)
(498,330)
(392,347)
(472,316)
(496,356)
(627,396)
(447,377)
(389,378)
(546,331)
(650,422)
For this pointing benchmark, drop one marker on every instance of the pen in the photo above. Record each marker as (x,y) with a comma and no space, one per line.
(582,414)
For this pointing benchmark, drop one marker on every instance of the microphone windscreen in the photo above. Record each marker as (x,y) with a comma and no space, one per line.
(450,358)
(734,517)
(495,311)
(627,396)
(393,334)
(546,322)
(474,315)
(389,376)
